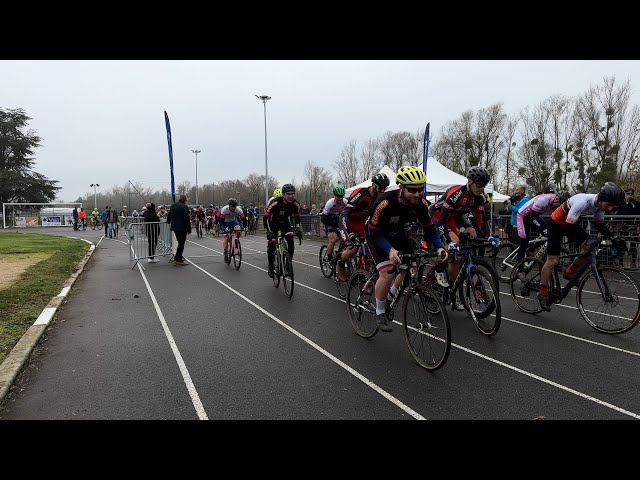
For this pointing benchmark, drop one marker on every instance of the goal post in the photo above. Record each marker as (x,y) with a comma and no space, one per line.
(16,214)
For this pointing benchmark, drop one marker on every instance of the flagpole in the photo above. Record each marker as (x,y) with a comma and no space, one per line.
(173,188)
(425,157)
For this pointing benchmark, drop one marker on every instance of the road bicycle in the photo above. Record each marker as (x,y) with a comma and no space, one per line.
(327,265)
(198,223)
(475,285)
(283,265)
(426,329)
(234,248)
(608,298)
(361,260)
(504,258)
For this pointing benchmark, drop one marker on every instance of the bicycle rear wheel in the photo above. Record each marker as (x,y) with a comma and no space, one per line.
(524,284)
(237,254)
(428,334)
(619,310)
(342,287)
(325,265)
(287,273)
(361,303)
(503,270)
(481,298)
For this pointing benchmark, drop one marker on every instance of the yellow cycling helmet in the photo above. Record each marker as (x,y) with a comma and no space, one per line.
(277,193)
(410,175)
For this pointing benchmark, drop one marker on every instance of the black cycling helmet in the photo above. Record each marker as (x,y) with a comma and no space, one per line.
(233,202)
(381,180)
(478,174)
(611,193)
(562,196)
(287,187)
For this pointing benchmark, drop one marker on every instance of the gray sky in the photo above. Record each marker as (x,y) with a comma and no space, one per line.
(102,121)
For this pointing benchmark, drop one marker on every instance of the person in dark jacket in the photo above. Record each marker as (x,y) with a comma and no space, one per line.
(75,218)
(630,228)
(152,230)
(180,221)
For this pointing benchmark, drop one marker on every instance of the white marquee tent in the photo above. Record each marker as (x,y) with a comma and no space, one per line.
(439,179)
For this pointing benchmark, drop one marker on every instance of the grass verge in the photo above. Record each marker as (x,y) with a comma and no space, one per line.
(50,261)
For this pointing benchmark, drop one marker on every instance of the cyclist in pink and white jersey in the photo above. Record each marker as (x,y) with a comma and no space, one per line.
(528,217)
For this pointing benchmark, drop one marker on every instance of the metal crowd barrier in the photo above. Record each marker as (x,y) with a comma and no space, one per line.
(148,239)
(626,227)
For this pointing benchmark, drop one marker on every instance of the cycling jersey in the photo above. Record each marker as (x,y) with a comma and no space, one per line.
(278,212)
(385,227)
(251,211)
(456,202)
(231,215)
(580,204)
(331,212)
(355,215)
(533,208)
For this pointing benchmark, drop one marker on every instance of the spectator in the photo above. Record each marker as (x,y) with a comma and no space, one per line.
(82,218)
(112,220)
(135,213)
(518,199)
(631,227)
(103,216)
(152,230)
(305,210)
(180,221)
(75,218)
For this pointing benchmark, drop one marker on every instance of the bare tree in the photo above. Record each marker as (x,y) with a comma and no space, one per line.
(319,182)
(371,159)
(348,165)
(399,149)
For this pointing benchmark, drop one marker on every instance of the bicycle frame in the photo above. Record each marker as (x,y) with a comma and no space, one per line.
(591,263)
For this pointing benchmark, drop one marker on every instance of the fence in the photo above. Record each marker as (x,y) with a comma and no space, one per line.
(148,239)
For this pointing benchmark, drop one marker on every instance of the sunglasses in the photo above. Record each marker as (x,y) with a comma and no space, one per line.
(480,185)
(413,190)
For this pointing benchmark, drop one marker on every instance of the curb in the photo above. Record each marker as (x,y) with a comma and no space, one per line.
(12,365)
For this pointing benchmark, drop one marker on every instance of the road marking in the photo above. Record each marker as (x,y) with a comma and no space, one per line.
(195,398)
(45,316)
(516,369)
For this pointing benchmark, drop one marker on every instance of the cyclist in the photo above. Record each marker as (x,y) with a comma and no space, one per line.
(277,193)
(386,236)
(208,215)
(354,217)
(277,216)
(330,218)
(230,213)
(564,222)
(198,216)
(528,217)
(95,213)
(450,212)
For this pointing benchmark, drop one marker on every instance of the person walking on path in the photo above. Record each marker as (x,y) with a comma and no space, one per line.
(112,219)
(82,218)
(152,230)
(103,215)
(75,218)
(178,218)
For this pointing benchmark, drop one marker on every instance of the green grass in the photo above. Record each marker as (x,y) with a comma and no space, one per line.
(23,301)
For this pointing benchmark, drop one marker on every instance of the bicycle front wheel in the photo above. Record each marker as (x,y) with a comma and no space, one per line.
(237,254)
(361,303)
(524,284)
(617,309)
(287,273)
(325,265)
(428,334)
(481,298)
(277,269)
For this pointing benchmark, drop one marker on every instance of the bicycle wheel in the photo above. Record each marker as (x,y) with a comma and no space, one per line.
(503,270)
(325,265)
(482,263)
(276,269)
(481,298)
(237,254)
(287,273)
(361,303)
(524,284)
(616,311)
(342,287)
(428,334)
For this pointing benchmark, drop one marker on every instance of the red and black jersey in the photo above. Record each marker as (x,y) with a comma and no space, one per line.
(457,201)
(279,211)
(357,211)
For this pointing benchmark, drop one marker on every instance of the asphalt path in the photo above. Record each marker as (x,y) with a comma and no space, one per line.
(207,341)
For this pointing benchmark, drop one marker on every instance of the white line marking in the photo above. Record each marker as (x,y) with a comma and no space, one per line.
(64,292)
(195,398)
(523,372)
(353,372)
(46,316)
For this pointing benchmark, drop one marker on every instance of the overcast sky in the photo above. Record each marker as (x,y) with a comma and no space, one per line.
(103,122)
